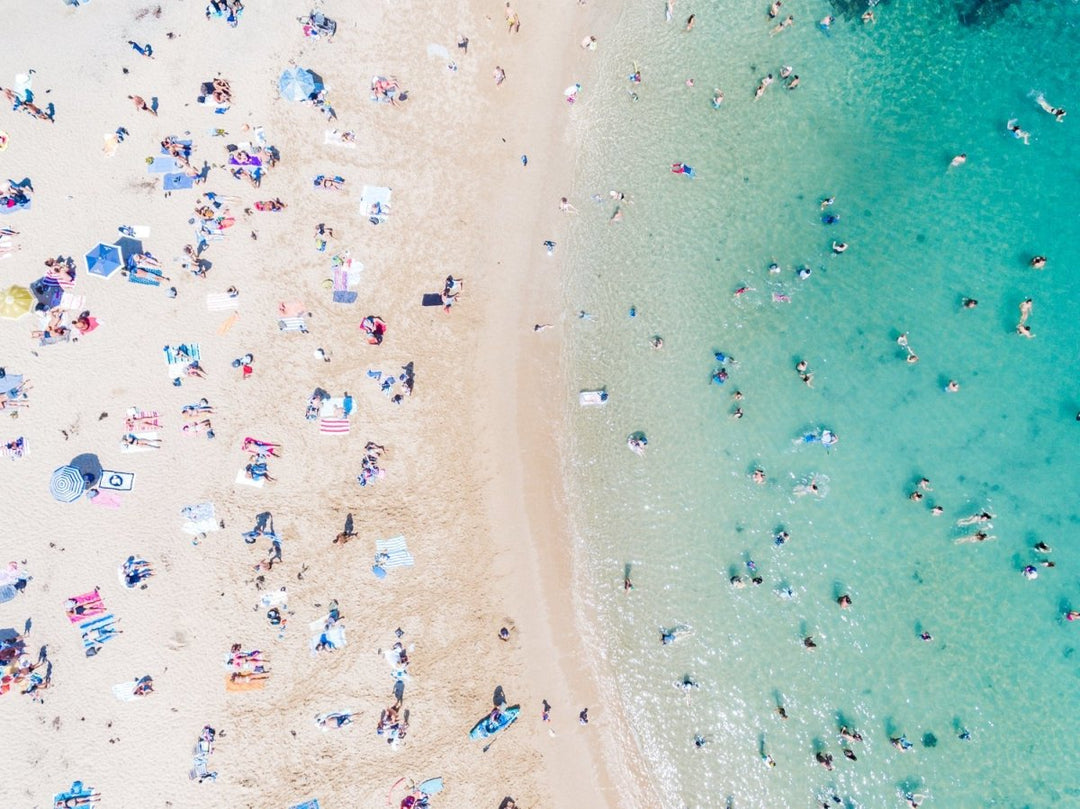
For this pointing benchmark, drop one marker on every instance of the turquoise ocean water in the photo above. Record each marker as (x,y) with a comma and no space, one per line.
(880,111)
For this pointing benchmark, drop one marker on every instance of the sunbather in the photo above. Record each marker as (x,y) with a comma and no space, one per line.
(194,369)
(194,411)
(148,273)
(257,471)
(260,449)
(199,427)
(143,686)
(85,322)
(137,420)
(334,183)
(132,440)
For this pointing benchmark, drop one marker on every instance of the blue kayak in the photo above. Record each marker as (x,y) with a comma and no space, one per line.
(494,722)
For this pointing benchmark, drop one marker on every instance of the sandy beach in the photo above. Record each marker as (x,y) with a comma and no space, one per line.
(470,465)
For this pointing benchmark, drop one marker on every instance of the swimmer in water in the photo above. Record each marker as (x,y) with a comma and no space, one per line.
(978,536)
(1025,331)
(868,16)
(791,85)
(781,538)
(826,22)
(717,98)
(824,759)
(808,642)
(803,273)
(825,203)
(774,268)
(839,247)
(700,741)
(1018,133)
(845,603)
(850,735)
(952,387)
(758,476)
(901,743)
(959,160)
(1037,262)
(969,303)
(1041,547)
(1058,112)
(774,9)
(1072,615)
(657,342)
(690,22)
(787,23)
(761,88)
(937,511)
(785,71)
(1030,572)
(981,517)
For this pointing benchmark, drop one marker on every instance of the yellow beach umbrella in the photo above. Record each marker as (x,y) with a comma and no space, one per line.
(15,302)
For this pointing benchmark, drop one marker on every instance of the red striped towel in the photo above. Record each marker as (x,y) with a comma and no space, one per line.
(334,426)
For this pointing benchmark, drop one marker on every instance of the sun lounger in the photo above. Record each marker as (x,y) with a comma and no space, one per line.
(391,553)
(375,203)
(221,301)
(150,435)
(243,480)
(292,324)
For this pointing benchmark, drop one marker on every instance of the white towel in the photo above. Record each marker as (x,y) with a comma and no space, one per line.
(70,302)
(243,480)
(136,448)
(221,301)
(333,138)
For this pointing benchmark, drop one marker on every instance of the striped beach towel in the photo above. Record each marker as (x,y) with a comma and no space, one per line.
(141,419)
(293,324)
(332,426)
(221,301)
(178,358)
(16,448)
(393,553)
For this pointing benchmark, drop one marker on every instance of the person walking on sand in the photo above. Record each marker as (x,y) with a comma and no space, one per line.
(583,717)
(513,22)
(141,105)
(499,75)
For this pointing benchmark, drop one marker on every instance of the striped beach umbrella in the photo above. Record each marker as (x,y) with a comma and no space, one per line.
(67,484)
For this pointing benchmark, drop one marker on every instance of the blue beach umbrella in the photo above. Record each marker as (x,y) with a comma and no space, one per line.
(104,260)
(67,484)
(298,84)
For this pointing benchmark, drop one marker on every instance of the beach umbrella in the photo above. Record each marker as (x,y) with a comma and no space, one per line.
(47,292)
(298,84)
(67,484)
(104,260)
(15,302)
(89,467)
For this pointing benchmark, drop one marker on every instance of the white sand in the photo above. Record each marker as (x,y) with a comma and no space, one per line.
(484,526)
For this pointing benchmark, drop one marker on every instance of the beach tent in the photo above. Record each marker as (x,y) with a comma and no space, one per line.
(15,302)
(104,260)
(299,84)
(67,484)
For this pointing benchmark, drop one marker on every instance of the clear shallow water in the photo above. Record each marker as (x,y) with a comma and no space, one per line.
(880,111)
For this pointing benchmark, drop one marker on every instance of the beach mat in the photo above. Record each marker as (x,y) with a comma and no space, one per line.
(116,481)
(431,299)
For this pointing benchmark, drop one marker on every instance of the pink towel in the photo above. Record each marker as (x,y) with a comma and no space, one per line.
(106,499)
(334,426)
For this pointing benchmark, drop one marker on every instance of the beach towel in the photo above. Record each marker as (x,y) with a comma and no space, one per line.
(90,605)
(48,339)
(141,418)
(154,280)
(431,299)
(375,203)
(6,209)
(334,426)
(228,323)
(77,791)
(291,308)
(106,500)
(70,302)
(16,449)
(179,357)
(125,692)
(243,480)
(334,636)
(292,324)
(200,519)
(135,231)
(312,804)
(163,165)
(147,434)
(391,553)
(98,632)
(248,682)
(333,138)
(116,481)
(176,182)
(221,301)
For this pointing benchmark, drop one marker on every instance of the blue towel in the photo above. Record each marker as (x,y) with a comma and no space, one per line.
(344,296)
(153,282)
(162,165)
(312,804)
(176,182)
